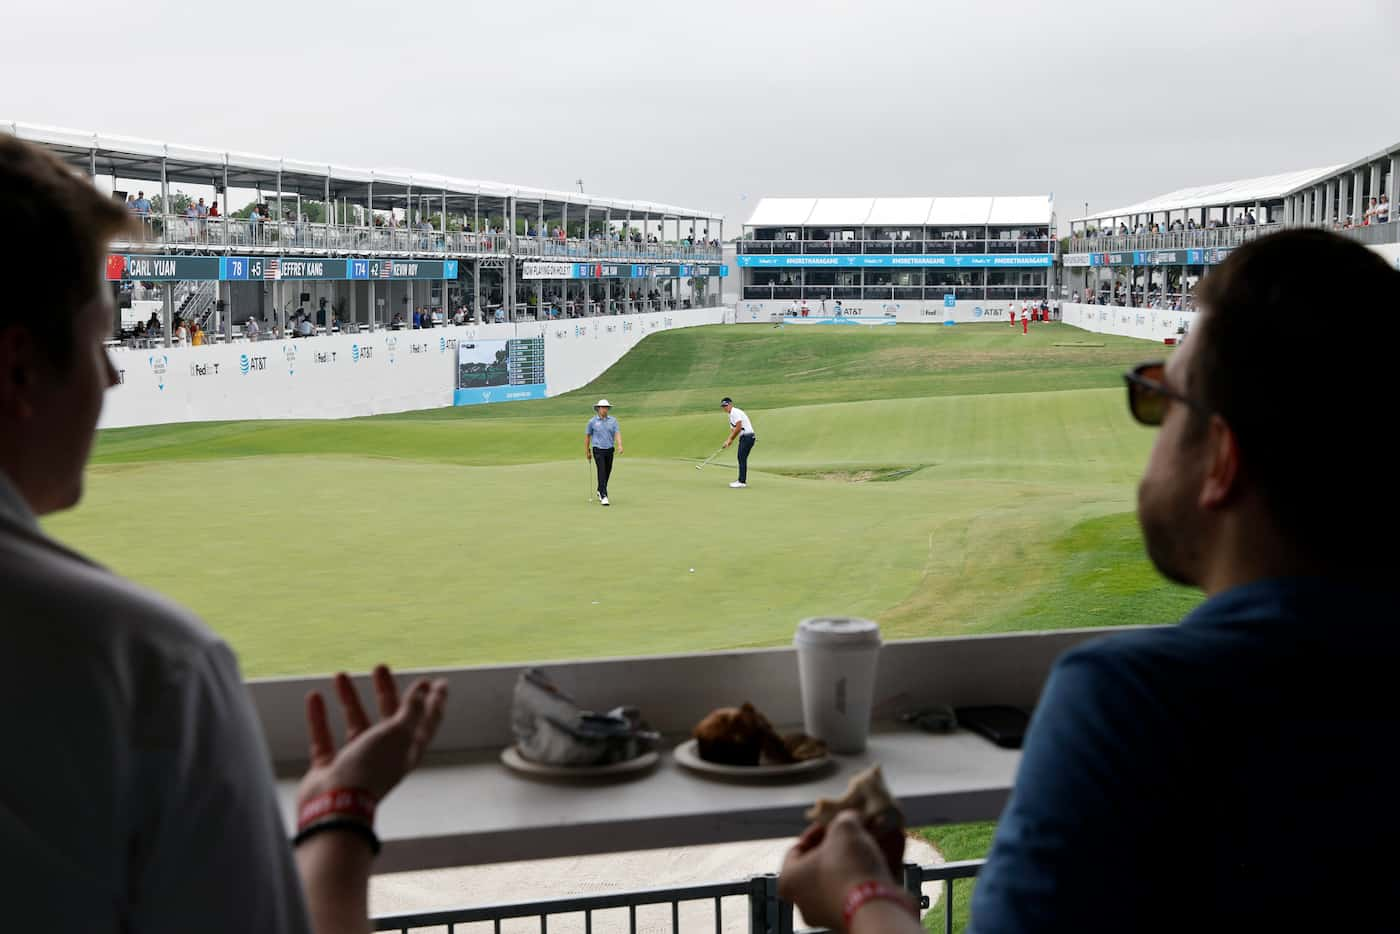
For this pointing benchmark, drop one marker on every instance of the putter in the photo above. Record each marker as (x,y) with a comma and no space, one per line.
(701,466)
(589,464)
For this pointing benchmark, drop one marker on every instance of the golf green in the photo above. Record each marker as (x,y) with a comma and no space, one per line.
(939,480)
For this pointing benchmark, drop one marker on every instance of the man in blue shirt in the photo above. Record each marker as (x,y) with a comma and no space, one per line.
(1228,773)
(600,439)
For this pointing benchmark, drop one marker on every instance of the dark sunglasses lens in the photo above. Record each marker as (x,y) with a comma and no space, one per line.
(1148,405)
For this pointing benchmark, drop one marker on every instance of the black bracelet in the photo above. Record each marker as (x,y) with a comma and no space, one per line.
(341,823)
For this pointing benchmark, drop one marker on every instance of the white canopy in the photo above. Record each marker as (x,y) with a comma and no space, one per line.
(902,212)
(148,152)
(1245,191)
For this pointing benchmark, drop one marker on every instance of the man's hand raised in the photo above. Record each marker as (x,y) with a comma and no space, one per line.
(375,756)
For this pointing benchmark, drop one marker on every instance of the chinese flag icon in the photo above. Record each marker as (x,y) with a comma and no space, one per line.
(116,265)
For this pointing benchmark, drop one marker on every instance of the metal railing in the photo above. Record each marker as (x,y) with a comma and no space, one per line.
(598,247)
(760,910)
(1210,237)
(882,247)
(874,293)
(1374,233)
(1214,237)
(258,233)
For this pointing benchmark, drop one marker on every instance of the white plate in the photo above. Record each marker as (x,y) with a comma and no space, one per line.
(688,755)
(513,760)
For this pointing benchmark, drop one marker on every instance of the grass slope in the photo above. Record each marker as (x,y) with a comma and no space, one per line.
(460,536)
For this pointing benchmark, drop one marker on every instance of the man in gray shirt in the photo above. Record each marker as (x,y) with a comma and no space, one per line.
(599,440)
(137,793)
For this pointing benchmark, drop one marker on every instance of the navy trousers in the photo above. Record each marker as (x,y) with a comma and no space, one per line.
(745,446)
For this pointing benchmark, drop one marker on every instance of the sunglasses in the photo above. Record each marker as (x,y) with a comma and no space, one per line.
(1148,394)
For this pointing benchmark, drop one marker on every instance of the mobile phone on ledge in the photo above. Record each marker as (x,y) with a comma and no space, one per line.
(1005,726)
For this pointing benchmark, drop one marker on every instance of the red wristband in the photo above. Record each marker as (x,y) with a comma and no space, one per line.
(351,803)
(867,892)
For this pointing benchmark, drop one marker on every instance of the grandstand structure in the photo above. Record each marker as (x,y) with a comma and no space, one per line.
(369,248)
(1151,253)
(879,256)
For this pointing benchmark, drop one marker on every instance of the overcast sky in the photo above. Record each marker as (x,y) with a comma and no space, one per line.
(717,104)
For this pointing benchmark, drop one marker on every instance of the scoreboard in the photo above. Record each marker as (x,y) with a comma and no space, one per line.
(499,370)
(525,361)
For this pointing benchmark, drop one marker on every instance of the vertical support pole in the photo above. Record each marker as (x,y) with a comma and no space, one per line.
(169,310)
(228,208)
(165,209)
(1393,189)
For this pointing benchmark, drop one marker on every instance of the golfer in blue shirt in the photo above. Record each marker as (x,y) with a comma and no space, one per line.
(600,438)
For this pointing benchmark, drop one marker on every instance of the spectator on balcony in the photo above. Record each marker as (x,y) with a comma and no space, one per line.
(214,208)
(141,797)
(1186,752)
(1383,210)
(1249,219)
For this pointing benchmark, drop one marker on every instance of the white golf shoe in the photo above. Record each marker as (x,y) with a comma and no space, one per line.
(604,501)
(736,485)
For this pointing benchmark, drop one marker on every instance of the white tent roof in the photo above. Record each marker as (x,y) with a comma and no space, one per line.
(955,211)
(782,212)
(1034,209)
(839,211)
(896,212)
(899,212)
(1222,194)
(125,145)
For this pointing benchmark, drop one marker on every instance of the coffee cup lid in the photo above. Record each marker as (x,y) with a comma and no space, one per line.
(838,631)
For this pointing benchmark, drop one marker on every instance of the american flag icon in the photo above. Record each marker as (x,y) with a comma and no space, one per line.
(386,268)
(272,269)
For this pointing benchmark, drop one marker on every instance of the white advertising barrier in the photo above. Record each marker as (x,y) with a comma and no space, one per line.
(343,376)
(1153,324)
(911,312)
(1391,251)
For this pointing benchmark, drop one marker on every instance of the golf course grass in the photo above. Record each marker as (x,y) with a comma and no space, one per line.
(938,480)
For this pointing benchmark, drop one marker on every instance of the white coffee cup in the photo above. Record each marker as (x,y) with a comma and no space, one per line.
(836,659)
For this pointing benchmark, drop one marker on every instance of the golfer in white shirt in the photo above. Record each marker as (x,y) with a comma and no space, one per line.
(741,427)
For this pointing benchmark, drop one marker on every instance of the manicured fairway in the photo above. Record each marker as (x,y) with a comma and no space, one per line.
(940,480)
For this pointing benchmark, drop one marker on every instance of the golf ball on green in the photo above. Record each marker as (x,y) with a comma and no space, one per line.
(692,570)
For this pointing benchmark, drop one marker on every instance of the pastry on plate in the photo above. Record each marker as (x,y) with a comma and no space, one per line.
(743,736)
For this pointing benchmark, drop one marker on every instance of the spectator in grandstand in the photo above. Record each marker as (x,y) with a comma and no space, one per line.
(1140,735)
(304,328)
(140,796)
(251,328)
(181,333)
